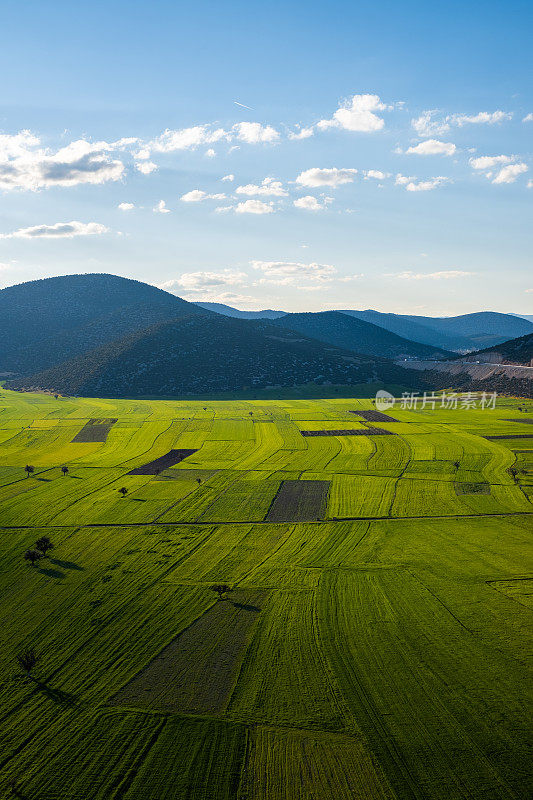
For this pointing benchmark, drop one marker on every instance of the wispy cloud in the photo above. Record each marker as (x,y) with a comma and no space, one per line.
(61,230)
(449,274)
(333,176)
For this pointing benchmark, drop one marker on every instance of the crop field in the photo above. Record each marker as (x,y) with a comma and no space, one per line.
(372,635)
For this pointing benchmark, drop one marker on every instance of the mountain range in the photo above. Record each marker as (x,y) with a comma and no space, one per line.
(106,335)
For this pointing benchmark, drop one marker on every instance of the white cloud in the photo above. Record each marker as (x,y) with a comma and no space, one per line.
(377,174)
(487,162)
(284,273)
(433,147)
(197,195)
(161,208)
(229,177)
(201,281)
(427,125)
(310,203)
(210,153)
(268,187)
(185,139)
(254,207)
(530,184)
(426,186)
(432,123)
(528,118)
(301,133)
(146,167)
(448,274)
(255,133)
(510,173)
(26,165)
(482,118)
(325,177)
(358,113)
(508,167)
(126,206)
(61,230)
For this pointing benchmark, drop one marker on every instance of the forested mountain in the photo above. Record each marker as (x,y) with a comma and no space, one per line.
(343,330)
(211,353)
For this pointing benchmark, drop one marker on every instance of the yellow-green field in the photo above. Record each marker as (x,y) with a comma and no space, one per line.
(375,644)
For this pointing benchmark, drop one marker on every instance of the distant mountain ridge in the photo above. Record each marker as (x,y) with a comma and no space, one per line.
(344,330)
(228,311)
(461,333)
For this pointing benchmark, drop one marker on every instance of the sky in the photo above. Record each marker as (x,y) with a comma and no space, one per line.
(301,156)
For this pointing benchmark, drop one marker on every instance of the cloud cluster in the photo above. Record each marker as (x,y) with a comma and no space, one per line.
(412,184)
(508,168)
(197,196)
(293,273)
(432,123)
(61,230)
(25,164)
(358,114)
(333,176)
(268,187)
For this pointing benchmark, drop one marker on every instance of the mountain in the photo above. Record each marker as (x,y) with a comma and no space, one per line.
(465,332)
(228,311)
(351,333)
(516,351)
(45,322)
(211,353)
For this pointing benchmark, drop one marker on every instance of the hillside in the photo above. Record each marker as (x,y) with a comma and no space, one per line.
(355,334)
(516,351)
(228,311)
(465,332)
(211,353)
(45,322)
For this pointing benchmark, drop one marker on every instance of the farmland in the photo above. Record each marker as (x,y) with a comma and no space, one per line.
(376,639)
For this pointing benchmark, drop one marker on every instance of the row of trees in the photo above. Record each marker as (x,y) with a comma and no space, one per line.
(29,469)
(42,547)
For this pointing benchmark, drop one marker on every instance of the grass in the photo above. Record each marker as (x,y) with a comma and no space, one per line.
(382,649)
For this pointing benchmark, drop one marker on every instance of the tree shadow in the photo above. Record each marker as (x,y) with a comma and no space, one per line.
(66,564)
(76,477)
(245,606)
(46,480)
(57,695)
(138,499)
(52,573)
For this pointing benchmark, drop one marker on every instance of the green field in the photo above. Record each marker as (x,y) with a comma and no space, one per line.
(376,644)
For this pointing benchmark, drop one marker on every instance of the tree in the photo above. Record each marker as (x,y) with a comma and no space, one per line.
(43,544)
(27,659)
(456,464)
(64,470)
(198,481)
(29,470)
(123,491)
(157,471)
(221,589)
(33,556)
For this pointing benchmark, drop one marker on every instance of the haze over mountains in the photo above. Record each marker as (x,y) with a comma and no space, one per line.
(105,335)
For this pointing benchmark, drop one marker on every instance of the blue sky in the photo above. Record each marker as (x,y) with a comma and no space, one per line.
(380,157)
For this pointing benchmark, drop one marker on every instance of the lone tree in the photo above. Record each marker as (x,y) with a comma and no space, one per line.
(27,660)
(456,464)
(123,491)
(198,481)
(221,589)
(33,556)
(64,470)
(29,470)
(43,544)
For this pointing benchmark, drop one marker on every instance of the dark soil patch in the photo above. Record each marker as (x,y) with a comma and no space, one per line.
(299,501)
(471,488)
(163,462)
(95,430)
(196,672)
(510,436)
(358,432)
(374,416)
